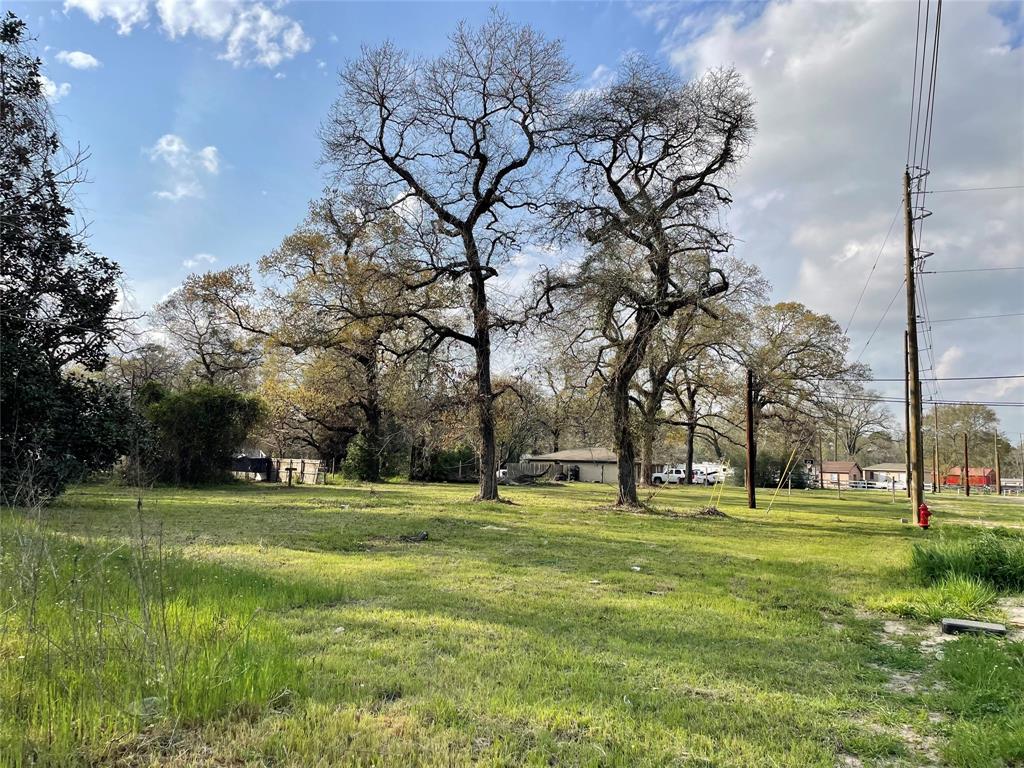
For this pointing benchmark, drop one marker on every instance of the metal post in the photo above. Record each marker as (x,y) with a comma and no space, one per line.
(936,477)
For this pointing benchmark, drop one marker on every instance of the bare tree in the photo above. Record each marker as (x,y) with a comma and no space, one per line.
(856,413)
(645,189)
(793,353)
(684,363)
(445,143)
(215,350)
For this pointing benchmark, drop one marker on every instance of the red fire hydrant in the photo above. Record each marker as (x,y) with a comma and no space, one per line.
(923,513)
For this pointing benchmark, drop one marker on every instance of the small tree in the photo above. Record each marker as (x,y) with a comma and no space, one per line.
(197,430)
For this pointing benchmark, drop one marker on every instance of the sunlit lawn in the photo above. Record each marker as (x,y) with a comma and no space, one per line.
(555,630)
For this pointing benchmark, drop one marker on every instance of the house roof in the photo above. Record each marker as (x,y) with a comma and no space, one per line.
(593,455)
(890,466)
(839,466)
(972,471)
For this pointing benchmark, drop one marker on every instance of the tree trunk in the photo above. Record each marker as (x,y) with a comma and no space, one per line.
(623,442)
(372,412)
(373,419)
(691,431)
(647,450)
(485,392)
(627,363)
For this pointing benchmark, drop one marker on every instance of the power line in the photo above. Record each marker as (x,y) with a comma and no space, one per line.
(971,189)
(978,317)
(936,378)
(881,319)
(973,269)
(868,280)
(901,401)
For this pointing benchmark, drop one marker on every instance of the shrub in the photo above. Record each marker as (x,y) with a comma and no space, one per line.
(361,461)
(994,557)
(197,430)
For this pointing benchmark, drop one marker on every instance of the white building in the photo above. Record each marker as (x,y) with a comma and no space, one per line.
(594,465)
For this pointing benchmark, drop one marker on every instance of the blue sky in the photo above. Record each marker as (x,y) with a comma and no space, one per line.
(202,116)
(262,121)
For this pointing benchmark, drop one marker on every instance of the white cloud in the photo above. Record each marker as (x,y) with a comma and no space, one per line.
(199,258)
(280,75)
(54,92)
(821,185)
(185,167)
(209,159)
(126,13)
(263,37)
(253,34)
(78,59)
(947,363)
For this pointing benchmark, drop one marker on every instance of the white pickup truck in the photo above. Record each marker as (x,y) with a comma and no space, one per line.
(677,475)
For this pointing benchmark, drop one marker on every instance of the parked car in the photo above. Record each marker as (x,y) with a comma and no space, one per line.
(675,475)
(671,476)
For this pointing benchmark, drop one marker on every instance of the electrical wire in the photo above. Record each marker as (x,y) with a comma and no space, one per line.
(973,269)
(872,272)
(881,319)
(972,189)
(978,317)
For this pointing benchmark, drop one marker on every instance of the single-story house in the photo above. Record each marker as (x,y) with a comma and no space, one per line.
(594,465)
(975,476)
(886,472)
(892,471)
(838,474)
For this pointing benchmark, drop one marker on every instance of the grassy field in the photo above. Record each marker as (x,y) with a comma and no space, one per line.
(311,626)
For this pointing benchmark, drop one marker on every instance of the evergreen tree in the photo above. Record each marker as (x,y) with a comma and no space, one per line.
(56,300)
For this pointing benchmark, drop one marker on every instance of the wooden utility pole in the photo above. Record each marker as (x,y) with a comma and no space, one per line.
(906,408)
(916,480)
(821,464)
(965,474)
(751,444)
(935,459)
(999,475)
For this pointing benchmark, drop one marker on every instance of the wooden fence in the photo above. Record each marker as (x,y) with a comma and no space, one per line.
(528,471)
(301,471)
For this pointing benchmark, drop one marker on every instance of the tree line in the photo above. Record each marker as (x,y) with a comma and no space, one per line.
(396,330)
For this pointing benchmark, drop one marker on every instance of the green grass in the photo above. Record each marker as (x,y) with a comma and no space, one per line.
(995,556)
(965,597)
(984,683)
(298,628)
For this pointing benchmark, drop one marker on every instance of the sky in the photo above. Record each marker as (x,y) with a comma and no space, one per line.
(201,121)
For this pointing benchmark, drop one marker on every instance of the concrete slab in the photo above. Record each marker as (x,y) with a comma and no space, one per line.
(956,626)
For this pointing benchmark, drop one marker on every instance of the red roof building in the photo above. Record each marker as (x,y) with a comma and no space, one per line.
(975,476)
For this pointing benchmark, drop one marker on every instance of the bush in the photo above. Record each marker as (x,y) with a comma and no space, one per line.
(458,465)
(993,556)
(198,430)
(361,461)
